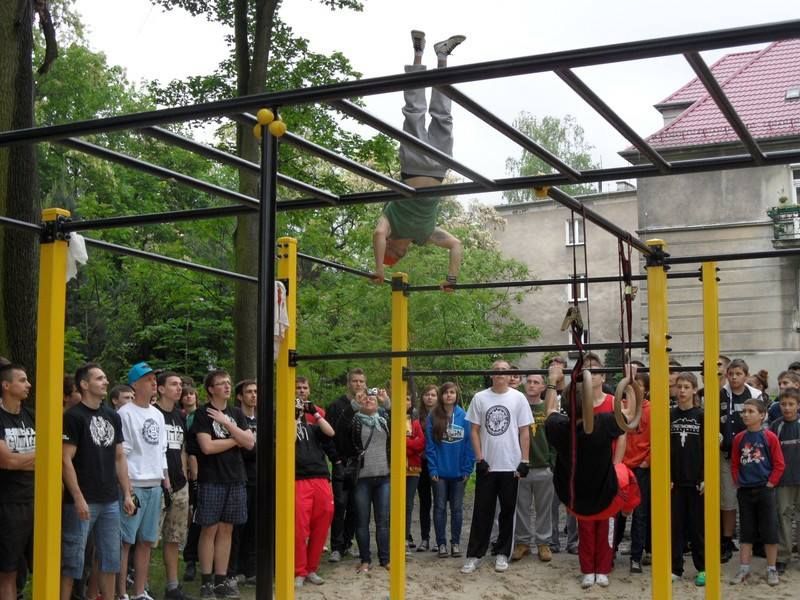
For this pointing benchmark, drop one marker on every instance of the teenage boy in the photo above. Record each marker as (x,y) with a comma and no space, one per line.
(687,477)
(787,428)
(176,499)
(243,550)
(17,457)
(221,432)
(145,446)
(536,488)
(95,474)
(500,435)
(121,395)
(404,223)
(340,415)
(733,395)
(787,379)
(756,466)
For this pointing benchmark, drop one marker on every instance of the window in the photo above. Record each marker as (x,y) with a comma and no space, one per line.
(796,183)
(793,93)
(581,288)
(574,231)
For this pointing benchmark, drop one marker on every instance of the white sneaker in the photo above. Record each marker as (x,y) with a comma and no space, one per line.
(298,582)
(587,581)
(501,563)
(471,565)
(602,580)
(315,579)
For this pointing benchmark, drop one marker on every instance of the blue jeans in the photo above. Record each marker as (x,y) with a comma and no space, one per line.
(373,493)
(444,491)
(104,520)
(411,492)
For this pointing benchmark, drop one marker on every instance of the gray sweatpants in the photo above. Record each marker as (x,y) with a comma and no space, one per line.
(438,134)
(535,492)
(788,507)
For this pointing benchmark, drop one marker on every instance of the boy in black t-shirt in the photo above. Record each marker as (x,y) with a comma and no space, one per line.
(176,499)
(243,548)
(95,469)
(687,477)
(787,428)
(17,456)
(221,432)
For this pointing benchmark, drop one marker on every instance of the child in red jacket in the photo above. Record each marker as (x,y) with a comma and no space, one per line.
(757,466)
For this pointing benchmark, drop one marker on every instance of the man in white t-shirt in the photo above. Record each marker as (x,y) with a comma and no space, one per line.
(500,436)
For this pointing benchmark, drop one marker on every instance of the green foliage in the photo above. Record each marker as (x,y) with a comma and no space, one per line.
(562,137)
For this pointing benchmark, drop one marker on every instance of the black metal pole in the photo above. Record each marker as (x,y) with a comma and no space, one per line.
(682,260)
(568,59)
(265,450)
(338,266)
(408,373)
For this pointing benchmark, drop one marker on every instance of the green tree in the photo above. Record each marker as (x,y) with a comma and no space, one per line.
(564,138)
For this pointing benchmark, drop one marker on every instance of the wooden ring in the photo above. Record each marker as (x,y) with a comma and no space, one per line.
(619,395)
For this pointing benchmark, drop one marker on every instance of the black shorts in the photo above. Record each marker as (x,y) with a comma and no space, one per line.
(758,514)
(16,541)
(221,503)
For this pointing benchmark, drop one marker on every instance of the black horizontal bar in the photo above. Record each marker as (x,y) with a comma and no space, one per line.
(698,165)
(16,223)
(701,258)
(510,132)
(463,351)
(338,266)
(337,159)
(569,59)
(407,373)
(542,282)
(194,214)
(234,161)
(406,138)
(156,171)
(169,261)
(593,100)
(598,219)
(716,92)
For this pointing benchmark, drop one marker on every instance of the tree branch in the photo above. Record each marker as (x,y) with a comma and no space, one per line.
(49,31)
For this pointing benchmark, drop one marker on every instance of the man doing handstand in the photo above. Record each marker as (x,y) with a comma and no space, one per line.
(414,221)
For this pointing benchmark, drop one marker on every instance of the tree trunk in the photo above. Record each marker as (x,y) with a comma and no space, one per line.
(251,71)
(19,195)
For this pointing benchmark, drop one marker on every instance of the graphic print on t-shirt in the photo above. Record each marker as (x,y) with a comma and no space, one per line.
(498,418)
(174,436)
(454,433)
(150,432)
(102,431)
(685,427)
(20,439)
(220,430)
(752,453)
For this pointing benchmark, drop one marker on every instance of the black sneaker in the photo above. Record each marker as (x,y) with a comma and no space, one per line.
(207,591)
(636,567)
(176,594)
(227,589)
(726,554)
(780,567)
(190,572)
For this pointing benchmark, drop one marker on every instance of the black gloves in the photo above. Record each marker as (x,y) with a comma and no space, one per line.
(481,467)
(523,468)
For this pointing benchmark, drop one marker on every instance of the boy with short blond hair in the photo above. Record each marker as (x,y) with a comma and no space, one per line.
(787,428)
(786,380)
(756,466)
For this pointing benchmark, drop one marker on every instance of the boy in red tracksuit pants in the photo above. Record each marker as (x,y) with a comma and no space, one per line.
(313,494)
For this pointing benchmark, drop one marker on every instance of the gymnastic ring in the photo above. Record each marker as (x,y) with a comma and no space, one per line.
(619,395)
(587,401)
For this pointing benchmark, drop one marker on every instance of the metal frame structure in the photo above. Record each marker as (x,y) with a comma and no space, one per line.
(57,227)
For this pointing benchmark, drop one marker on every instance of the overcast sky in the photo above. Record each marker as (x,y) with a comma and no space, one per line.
(152,44)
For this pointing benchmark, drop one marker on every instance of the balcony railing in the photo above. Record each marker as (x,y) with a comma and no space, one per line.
(785,225)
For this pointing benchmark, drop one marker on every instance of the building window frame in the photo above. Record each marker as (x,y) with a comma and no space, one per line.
(582,297)
(573,229)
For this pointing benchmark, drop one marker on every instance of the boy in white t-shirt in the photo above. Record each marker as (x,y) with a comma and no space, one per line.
(500,436)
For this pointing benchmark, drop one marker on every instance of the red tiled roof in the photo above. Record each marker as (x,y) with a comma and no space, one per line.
(756,84)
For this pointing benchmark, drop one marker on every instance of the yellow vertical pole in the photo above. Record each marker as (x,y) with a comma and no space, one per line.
(397,509)
(285,428)
(49,384)
(659,428)
(711,428)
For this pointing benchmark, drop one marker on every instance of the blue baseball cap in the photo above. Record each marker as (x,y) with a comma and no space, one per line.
(138,371)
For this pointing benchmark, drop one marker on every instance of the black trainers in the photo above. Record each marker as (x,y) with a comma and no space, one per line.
(207,590)
(726,554)
(190,572)
(176,594)
(636,567)
(227,589)
(780,567)
(418,40)
(446,47)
